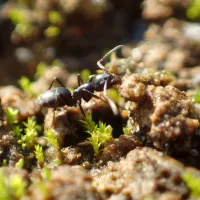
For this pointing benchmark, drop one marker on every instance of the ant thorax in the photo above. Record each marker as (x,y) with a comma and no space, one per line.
(83,92)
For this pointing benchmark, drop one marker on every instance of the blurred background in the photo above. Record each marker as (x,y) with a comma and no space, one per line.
(71,33)
(75,34)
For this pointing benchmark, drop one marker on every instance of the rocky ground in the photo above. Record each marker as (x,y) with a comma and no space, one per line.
(149,150)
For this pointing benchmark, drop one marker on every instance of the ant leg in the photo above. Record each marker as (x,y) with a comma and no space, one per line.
(58,80)
(60,96)
(83,113)
(93,95)
(104,57)
(79,80)
(54,121)
(111,102)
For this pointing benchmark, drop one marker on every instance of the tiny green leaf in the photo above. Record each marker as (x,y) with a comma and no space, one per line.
(11,116)
(52,31)
(193,11)
(193,184)
(26,86)
(51,138)
(39,154)
(46,173)
(20,163)
(197,96)
(54,17)
(85,74)
(17,16)
(18,186)
(17,131)
(40,70)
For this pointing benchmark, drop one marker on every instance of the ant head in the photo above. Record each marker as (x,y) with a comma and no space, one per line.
(114,80)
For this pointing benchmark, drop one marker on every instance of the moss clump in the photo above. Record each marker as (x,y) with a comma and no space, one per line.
(193,12)
(197,96)
(193,184)
(11,188)
(99,133)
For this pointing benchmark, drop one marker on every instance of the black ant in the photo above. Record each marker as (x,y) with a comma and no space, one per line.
(61,96)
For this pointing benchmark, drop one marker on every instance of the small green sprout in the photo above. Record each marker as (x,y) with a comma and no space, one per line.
(85,74)
(26,86)
(52,31)
(114,95)
(5,162)
(17,131)
(46,174)
(18,186)
(4,190)
(20,163)
(24,29)
(55,17)
(11,116)
(99,134)
(28,140)
(17,16)
(58,161)
(41,184)
(39,154)
(57,63)
(193,11)
(126,130)
(11,188)
(193,184)
(51,138)
(43,188)
(40,70)
(197,96)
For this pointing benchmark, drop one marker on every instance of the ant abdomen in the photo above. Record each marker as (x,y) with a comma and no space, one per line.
(56,97)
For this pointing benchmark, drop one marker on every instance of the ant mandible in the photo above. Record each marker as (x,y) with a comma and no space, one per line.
(61,96)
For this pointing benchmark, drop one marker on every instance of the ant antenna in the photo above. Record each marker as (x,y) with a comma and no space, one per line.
(111,102)
(104,57)
(54,80)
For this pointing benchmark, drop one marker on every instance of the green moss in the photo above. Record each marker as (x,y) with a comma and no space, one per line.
(114,95)
(40,70)
(126,130)
(12,188)
(193,183)
(4,190)
(26,86)
(11,116)
(17,131)
(5,162)
(28,140)
(20,163)
(46,174)
(85,75)
(18,186)
(193,11)
(24,29)
(55,17)
(39,154)
(197,96)
(99,134)
(17,16)
(52,31)
(51,138)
